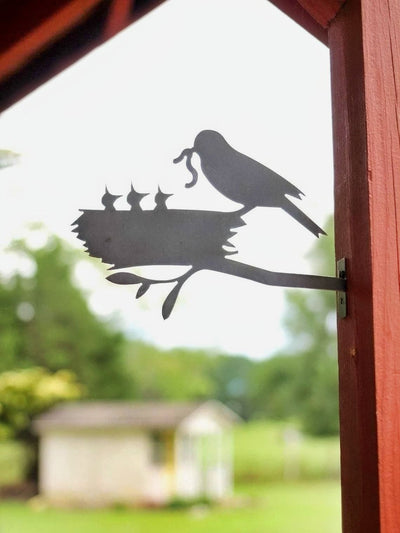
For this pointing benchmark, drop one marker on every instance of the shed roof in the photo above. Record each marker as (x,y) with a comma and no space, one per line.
(95,415)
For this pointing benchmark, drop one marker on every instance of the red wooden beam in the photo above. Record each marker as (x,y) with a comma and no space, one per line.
(365,57)
(313,15)
(62,32)
(119,17)
(322,11)
(29,41)
(18,18)
(297,12)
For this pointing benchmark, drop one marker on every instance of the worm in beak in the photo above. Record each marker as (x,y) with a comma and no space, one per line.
(188,152)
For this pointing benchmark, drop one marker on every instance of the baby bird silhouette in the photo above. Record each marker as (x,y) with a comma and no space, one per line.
(134,198)
(108,200)
(160,199)
(242,179)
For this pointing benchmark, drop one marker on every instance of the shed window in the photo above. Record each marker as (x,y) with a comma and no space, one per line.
(158,450)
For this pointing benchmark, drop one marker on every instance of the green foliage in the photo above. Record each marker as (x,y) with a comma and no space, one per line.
(301,381)
(27,393)
(174,375)
(15,458)
(232,379)
(320,414)
(8,158)
(274,387)
(45,321)
(310,322)
(183,374)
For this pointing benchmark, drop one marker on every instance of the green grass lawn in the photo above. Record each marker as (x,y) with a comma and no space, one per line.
(261,454)
(307,507)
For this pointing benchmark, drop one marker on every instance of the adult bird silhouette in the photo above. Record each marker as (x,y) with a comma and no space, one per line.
(242,179)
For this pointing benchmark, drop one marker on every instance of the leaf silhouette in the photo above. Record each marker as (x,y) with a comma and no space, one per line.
(125,278)
(169,303)
(144,287)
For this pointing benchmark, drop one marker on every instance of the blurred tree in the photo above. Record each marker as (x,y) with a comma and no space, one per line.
(25,394)
(184,374)
(169,375)
(231,376)
(8,158)
(302,380)
(46,322)
(274,387)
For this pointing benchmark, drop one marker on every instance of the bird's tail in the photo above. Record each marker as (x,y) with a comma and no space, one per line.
(302,218)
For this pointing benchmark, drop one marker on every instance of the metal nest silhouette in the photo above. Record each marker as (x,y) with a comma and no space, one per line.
(195,238)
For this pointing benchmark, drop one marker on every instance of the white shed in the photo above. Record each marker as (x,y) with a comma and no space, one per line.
(102,453)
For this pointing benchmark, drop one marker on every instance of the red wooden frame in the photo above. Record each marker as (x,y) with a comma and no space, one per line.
(16,52)
(39,38)
(322,12)
(364,42)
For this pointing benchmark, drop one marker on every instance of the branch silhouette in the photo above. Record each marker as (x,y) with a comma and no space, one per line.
(126,278)
(233,268)
(279,279)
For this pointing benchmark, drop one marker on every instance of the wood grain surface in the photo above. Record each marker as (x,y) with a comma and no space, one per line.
(365,58)
(381,36)
(299,14)
(323,12)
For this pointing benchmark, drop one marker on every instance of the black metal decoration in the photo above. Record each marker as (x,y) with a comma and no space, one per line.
(194,238)
(243,179)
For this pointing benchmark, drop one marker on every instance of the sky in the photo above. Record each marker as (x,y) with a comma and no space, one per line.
(125,111)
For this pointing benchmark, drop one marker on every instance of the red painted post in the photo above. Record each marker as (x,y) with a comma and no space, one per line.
(364,40)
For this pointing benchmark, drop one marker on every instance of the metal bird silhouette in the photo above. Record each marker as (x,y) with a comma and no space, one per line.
(109,199)
(242,179)
(160,199)
(134,198)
